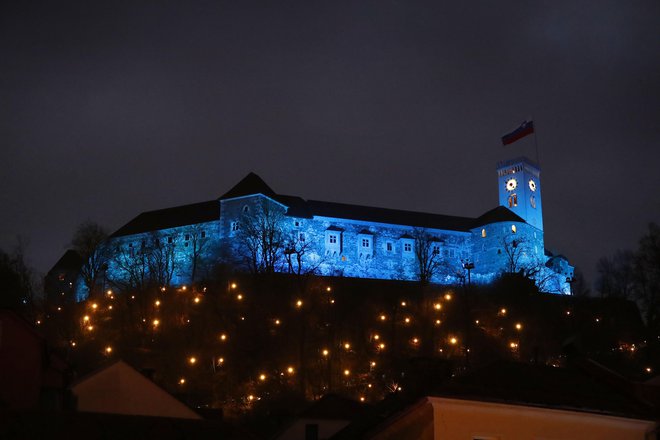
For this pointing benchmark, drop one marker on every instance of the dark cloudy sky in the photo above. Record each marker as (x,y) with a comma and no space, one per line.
(108,109)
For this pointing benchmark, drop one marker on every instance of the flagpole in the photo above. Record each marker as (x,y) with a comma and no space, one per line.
(536,143)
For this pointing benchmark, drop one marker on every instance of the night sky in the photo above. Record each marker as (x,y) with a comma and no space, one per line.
(108,109)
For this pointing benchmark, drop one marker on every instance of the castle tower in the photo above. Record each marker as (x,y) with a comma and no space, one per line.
(520,189)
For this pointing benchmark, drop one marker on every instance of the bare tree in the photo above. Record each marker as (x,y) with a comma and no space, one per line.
(262,238)
(616,275)
(427,255)
(198,242)
(160,256)
(647,276)
(88,240)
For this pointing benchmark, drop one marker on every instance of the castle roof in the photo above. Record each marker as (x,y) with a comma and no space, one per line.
(171,217)
(70,261)
(390,216)
(496,215)
(298,207)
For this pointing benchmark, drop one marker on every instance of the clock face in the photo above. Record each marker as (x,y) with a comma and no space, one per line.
(511,184)
(532,185)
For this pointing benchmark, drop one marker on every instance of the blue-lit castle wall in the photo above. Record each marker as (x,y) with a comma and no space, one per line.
(339,240)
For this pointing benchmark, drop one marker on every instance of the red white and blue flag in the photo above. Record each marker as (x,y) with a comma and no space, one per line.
(527,127)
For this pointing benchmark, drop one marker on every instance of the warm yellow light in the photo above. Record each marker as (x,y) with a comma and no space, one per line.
(233,285)
(453,340)
(325,353)
(513,345)
(383,317)
(407,320)
(518,326)
(157,303)
(369,385)
(648,369)
(372,363)
(347,372)
(437,306)
(403,303)
(162,289)
(197,300)
(223,337)
(250,397)
(502,311)
(239,297)
(192,360)
(376,337)
(381,346)
(109,292)
(90,328)
(262,377)
(415,341)
(132,296)
(476,321)
(73,343)
(86,318)
(110,307)
(347,346)
(221,361)
(362,399)
(95,306)
(108,349)
(156,322)
(59,309)
(277,322)
(299,303)
(328,289)
(290,370)
(182,381)
(448,296)
(332,301)
(184,288)
(438,322)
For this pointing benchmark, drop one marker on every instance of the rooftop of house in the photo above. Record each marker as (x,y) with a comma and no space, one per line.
(584,387)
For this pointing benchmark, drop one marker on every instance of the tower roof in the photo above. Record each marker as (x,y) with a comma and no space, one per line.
(517,160)
(496,215)
(250,184)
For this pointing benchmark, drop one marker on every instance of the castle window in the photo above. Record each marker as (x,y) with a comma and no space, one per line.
(203,234)
(436,249)
(389,247)
(296,223)
(187,237)
(513,229)
(170,240)
(365,244)
(246,209)
(407,247)
(235,226)
(513,200)
(333,241)
(483,233)
(301,236)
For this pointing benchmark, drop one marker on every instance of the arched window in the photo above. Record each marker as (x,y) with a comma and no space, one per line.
(513,200)
(483,233)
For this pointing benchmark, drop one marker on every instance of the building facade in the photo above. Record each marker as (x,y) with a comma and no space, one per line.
(253,228)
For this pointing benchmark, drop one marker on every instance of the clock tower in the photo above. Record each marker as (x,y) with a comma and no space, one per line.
(520,189)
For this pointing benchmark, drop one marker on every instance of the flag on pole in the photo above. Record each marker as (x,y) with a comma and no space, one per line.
(527,127)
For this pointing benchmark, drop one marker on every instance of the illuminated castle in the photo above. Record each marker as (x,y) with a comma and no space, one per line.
(253,228)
